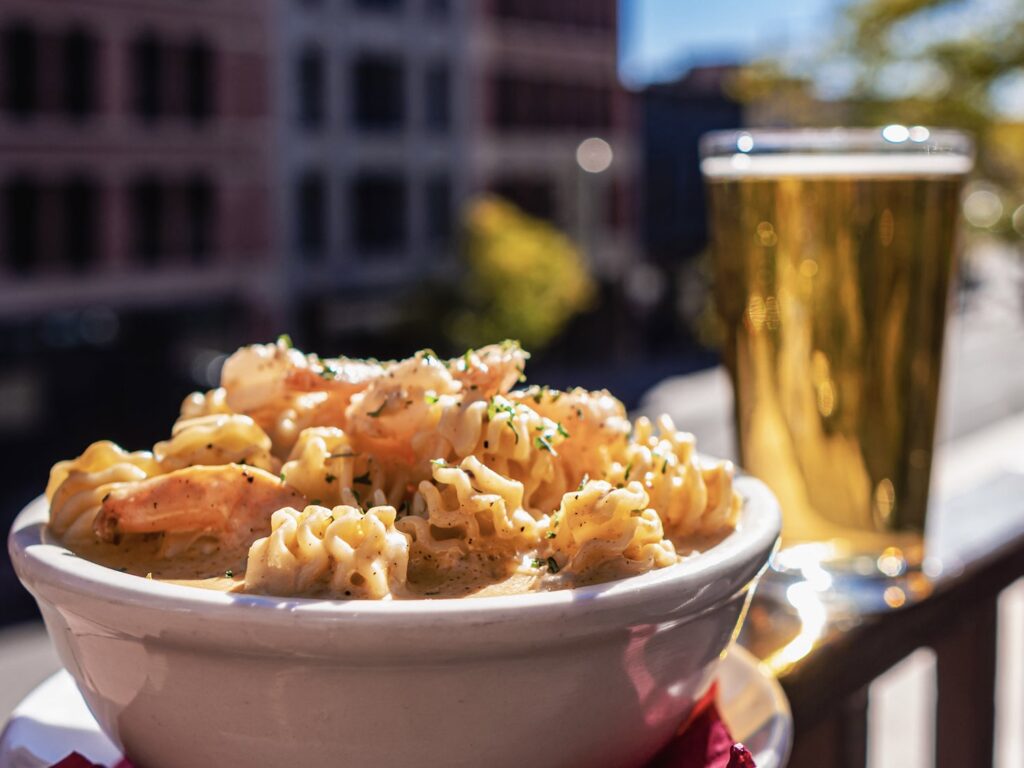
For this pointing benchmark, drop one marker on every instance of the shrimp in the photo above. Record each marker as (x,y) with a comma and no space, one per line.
(384,418)
(490,370)
(231,503)
(285,391)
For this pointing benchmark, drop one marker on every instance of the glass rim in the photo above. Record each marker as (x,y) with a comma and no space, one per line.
(895,139)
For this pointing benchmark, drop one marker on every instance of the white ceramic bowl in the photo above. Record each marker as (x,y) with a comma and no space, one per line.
(598,676)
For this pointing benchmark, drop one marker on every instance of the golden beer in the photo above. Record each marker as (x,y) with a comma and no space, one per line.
(832,274)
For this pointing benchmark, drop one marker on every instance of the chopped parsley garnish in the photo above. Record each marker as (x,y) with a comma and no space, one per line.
(522,373)
(562,431)
(329,371)
(550,535)
(363,478)
(439,462)
(629,468)
(536,563)
(467,360)
(329,478)
(583,482)
(281,476)
(664,466)
(496,407)
(285,341)
(542,444)
(229,573)
(538,395)
(431,398)
(553,565)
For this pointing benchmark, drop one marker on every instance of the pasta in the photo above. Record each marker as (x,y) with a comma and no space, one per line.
(222,438)
(360,551)
(397,479)
(600,524)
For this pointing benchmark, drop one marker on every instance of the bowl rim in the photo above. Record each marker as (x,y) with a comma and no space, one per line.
(711,575)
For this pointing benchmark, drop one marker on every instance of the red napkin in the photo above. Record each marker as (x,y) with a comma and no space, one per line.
(75,760)
(703,741)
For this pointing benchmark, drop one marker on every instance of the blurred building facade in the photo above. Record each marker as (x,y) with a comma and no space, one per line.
(135,223)
(545,77)
(393,113)
(134,139)
(370,107)
(675,115)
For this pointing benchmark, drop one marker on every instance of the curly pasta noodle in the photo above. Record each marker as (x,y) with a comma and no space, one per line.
(414,478)
(344,551)
(220,438)
(667,466)
(599,524)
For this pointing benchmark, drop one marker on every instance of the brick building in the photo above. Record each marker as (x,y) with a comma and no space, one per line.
(393,113)
(134,140)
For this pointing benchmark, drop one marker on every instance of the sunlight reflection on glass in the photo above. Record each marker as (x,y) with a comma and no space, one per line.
(806,601)
(897,134)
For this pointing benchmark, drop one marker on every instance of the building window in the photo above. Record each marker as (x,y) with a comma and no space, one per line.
(311,87)
(378,213)
(440,211)
(524,103)
(147,66)
(438,97)
(199,81)
(147,208)
(584,14)
(80,218)
(438,7)
(79,58)
(310,214)
(535,196)
(21,204)
(379,99)
(378,5)
(21,68)
(200,207)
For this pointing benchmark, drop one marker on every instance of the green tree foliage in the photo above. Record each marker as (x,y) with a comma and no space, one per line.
(927,62)
(524,279)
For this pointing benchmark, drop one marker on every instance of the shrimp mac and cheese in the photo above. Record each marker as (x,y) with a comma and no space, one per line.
(424,477)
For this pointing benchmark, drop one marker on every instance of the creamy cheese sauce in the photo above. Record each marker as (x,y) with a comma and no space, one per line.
(211,566)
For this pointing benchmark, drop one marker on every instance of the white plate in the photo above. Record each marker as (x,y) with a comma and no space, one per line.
(755,708)
(53,720)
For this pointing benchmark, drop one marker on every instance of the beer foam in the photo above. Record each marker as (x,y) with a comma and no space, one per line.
(856,165)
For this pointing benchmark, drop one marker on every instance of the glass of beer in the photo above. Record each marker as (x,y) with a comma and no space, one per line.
(833,253)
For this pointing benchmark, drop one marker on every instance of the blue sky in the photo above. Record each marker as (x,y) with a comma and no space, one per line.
(661,38)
